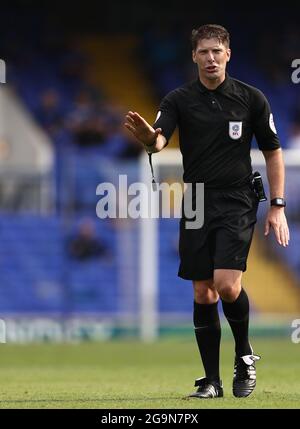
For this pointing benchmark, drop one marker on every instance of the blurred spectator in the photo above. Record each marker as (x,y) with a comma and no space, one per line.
(86,245)
(119,144)
(85,121)
(49,112)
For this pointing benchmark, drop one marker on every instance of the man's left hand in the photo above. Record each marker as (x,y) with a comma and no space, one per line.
(276,219)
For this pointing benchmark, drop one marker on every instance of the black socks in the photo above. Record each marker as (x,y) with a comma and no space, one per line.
(237,314)
(208,336)
(208,331)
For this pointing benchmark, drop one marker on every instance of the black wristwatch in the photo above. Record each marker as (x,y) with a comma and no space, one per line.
(279,202)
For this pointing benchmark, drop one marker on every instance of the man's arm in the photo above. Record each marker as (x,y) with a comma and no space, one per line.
(276,217)
(268,142)
(275,172)
(151,138)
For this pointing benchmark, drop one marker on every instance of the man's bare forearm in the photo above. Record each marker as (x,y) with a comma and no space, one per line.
(275,172)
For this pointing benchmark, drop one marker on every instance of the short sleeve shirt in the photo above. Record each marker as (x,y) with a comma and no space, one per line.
(216,128)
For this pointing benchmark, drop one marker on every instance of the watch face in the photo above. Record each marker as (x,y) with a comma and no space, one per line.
(278,202)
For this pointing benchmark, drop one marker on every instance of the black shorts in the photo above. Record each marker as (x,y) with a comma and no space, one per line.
(225,237)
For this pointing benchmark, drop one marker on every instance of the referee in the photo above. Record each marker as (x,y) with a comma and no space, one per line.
(217,117)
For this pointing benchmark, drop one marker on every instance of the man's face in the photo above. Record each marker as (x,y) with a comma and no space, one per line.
(211,57)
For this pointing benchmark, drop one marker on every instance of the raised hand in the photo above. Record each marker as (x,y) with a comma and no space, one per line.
(141,129)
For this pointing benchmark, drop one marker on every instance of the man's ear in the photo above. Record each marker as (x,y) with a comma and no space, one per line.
(228,54)
(194,57)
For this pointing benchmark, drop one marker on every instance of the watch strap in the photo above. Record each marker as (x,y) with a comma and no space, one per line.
(279,202)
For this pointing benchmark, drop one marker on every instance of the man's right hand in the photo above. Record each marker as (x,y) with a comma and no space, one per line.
(142,130)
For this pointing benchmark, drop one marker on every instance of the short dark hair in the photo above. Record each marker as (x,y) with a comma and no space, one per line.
(210,31)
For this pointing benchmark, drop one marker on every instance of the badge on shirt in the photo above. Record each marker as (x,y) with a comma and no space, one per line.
(235,130)
(272,124)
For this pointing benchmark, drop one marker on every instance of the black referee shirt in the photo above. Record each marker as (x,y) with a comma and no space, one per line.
(216,128)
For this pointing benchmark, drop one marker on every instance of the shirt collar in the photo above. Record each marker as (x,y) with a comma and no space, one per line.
(223,87)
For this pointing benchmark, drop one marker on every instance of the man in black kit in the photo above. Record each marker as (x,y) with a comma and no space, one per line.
(217,117)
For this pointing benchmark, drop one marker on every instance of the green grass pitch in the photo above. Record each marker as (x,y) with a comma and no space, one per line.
(129,374)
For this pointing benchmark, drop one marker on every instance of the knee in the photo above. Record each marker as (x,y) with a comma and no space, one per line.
(228,291)
(205,293)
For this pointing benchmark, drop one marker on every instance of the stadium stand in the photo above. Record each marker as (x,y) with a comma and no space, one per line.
(75,92)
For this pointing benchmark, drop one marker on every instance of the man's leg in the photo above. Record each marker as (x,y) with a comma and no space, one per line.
(235,306)
(207,326)
(208,336)
(236,309)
